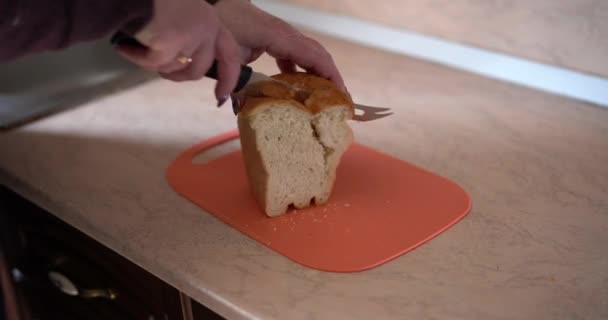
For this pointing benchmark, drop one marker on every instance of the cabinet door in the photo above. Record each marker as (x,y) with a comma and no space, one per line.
(60,273)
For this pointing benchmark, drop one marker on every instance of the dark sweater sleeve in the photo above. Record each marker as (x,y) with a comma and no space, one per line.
(29,26)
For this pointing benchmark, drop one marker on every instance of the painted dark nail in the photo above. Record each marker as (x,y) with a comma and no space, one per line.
(235,105)
(221,101)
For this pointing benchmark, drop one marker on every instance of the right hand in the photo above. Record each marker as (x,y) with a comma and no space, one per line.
(190,29)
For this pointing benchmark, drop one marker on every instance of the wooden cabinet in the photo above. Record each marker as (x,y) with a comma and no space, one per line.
(58,272)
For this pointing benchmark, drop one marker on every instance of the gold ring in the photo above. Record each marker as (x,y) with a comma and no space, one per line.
(184,59)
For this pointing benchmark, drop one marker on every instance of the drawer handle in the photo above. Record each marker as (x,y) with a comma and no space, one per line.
(65,285)
(99,293)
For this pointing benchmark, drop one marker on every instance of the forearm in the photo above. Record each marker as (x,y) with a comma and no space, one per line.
(29,26)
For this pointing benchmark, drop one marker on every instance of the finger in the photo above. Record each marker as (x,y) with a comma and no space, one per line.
(176,65)
(323,64)
(154,59)
(308,54)
(227,54)
(254,55)
(173,66)
(134,55)
(286,66)
(249,55)
(151,59)
(202,59)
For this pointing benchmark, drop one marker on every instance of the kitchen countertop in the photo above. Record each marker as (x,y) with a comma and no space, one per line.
(534,245)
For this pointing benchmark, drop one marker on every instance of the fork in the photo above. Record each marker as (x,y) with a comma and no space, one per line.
(370,113)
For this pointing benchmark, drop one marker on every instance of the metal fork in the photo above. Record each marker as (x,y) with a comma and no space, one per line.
(370,113)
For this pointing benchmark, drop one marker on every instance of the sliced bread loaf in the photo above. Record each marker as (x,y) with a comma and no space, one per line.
(292,138)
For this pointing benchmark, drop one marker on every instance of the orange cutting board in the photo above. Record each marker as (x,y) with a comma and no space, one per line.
(381,207)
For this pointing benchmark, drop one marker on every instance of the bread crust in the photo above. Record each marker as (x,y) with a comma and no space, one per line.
(305,91)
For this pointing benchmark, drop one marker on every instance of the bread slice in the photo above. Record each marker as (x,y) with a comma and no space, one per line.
(292,140)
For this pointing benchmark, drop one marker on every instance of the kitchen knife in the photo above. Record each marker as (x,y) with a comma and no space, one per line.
(247,75)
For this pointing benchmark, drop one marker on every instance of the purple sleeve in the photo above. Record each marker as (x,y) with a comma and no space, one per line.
(29,26)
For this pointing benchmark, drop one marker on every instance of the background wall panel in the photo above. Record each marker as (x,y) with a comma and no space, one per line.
(566,33)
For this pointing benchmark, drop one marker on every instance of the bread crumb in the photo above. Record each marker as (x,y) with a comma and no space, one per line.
(274,228)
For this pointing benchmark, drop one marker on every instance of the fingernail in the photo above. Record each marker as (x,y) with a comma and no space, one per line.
(221,101)
(235,105)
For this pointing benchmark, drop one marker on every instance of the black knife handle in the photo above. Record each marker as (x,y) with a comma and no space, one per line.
(122,39)
(244,75)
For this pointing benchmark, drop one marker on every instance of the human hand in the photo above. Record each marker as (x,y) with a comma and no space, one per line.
(257,32)
(187,29)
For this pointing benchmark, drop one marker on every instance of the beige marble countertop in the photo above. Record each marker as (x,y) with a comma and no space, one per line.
(536,166)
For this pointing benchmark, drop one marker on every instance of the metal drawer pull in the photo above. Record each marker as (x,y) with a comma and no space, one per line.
(65,285)
(99,293)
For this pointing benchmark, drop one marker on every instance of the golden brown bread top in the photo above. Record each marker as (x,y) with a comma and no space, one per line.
(306,91)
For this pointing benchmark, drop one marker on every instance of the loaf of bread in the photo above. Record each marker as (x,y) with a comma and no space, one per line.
(292,139)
